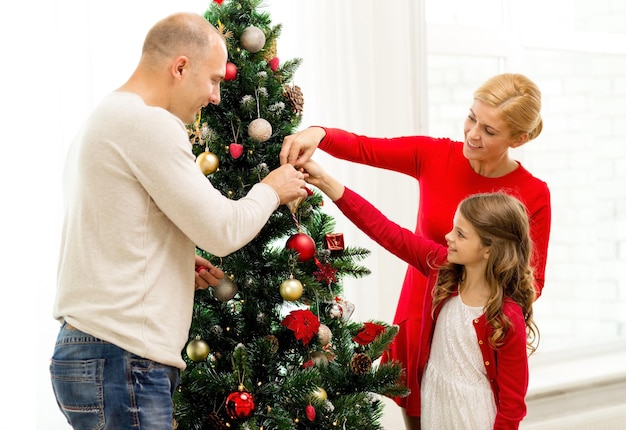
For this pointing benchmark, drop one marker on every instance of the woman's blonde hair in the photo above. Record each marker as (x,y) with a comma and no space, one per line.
(501,223)
(518,99)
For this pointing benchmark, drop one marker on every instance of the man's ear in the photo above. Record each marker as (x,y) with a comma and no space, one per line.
(179,65)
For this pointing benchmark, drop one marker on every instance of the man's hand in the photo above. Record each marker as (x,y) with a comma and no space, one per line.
(288,183)
(206,274)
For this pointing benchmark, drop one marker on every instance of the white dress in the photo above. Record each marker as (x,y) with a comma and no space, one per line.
(455,391)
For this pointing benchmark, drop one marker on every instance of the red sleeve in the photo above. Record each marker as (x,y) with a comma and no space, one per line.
(401,242)
(398,154)
(512,372)
(540,222)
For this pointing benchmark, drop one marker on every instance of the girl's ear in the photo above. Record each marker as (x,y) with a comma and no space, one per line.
(486,255)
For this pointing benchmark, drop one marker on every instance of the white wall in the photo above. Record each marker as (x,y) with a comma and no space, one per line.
(58,59)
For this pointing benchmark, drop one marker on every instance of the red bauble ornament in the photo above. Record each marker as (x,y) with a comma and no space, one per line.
(274,63)
(235,149)
(310,412)
(231,72)
(239,404)
(303,244)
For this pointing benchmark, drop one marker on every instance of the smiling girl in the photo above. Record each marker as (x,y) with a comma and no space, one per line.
(478,327)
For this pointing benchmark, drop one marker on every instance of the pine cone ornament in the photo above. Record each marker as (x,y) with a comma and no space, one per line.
(360,364)
(295,97)
(273,341)
(217,422)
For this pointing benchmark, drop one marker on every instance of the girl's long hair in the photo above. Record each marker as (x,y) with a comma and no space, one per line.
(502,224)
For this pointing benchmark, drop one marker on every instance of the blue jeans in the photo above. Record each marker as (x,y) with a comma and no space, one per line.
(101,386)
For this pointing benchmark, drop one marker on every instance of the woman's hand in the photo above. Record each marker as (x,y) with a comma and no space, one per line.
(299,147)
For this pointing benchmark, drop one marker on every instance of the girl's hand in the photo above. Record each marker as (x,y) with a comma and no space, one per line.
(317,176)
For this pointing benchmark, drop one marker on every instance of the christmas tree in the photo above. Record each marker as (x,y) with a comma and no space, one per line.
(273,345)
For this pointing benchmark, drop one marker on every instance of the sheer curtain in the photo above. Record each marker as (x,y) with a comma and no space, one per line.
(362,70)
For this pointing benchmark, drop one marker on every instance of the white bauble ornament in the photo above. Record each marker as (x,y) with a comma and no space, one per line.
(252,39)
(260,130)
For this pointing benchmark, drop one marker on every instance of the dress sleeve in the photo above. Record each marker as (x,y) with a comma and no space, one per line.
(399,154)
(419,252)
(512,373)
(540,221)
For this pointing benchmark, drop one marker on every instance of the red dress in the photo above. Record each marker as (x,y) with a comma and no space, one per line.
(445,178)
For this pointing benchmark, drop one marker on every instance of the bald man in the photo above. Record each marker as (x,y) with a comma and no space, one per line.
(136,206)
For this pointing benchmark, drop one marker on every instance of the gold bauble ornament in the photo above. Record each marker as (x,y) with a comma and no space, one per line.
(260,130)
(226,289)
(291,289)
(197,349)
(294,204)
(319,393)
(252,39)
(208,162)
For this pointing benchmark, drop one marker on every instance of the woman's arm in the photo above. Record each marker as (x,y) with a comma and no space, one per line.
(399,154)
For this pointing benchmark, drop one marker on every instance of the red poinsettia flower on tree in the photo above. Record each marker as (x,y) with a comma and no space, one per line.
(368,333)
(325,272)
(303,323)
(218,1)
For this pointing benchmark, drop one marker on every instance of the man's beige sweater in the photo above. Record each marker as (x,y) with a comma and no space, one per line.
(136,206)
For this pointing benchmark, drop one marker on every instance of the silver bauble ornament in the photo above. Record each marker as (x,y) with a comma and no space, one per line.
(225,289)
(260,130)
(319,358)
(335,311)
(252,39)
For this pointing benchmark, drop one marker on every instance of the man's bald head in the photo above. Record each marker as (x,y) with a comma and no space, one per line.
(185,34)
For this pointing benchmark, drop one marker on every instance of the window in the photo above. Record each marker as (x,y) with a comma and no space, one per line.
(576,53)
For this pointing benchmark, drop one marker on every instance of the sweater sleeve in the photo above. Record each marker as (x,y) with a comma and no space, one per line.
(415,250)
(170,176)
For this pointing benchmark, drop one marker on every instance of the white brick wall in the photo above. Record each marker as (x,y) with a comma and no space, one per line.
(581,153)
